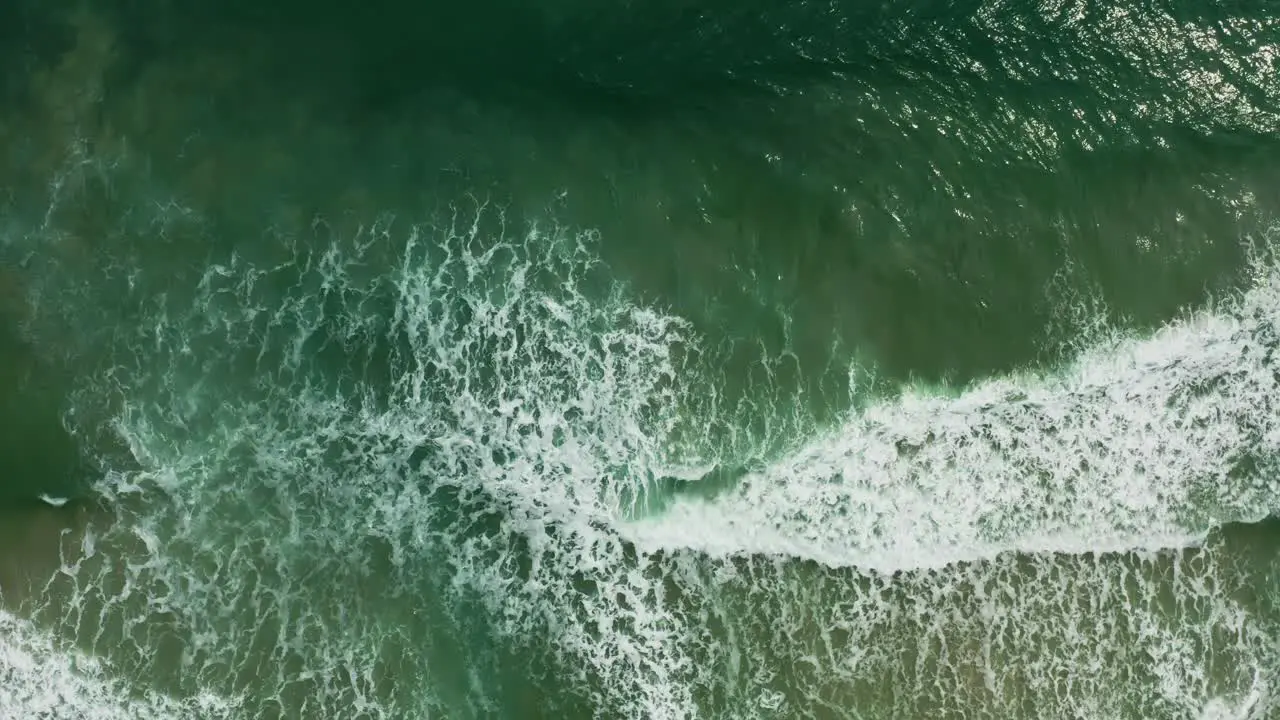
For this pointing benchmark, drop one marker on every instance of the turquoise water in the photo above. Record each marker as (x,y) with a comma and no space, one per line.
(664,360)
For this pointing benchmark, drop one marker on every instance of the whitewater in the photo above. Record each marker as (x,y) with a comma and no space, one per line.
(349,479)
(363,452)
(1140,443)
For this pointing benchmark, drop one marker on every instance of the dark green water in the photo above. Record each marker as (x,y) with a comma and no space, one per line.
(640,360)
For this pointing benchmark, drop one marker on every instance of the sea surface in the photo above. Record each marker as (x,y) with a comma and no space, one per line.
(650,359)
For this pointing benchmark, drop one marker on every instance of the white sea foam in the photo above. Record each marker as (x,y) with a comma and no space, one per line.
(40,679)
(1140,443)
(363,484)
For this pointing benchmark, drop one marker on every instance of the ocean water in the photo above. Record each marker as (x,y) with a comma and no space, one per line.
(640,360)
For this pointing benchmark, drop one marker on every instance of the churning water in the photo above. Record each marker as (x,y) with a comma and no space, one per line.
(679,360)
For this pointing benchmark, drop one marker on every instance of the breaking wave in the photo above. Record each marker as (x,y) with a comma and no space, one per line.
(406,472)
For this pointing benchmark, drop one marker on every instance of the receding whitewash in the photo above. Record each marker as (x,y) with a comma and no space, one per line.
(1255,705)
(39,680)
(1140,443)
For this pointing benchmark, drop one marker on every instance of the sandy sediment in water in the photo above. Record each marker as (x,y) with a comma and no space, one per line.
(35,540)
